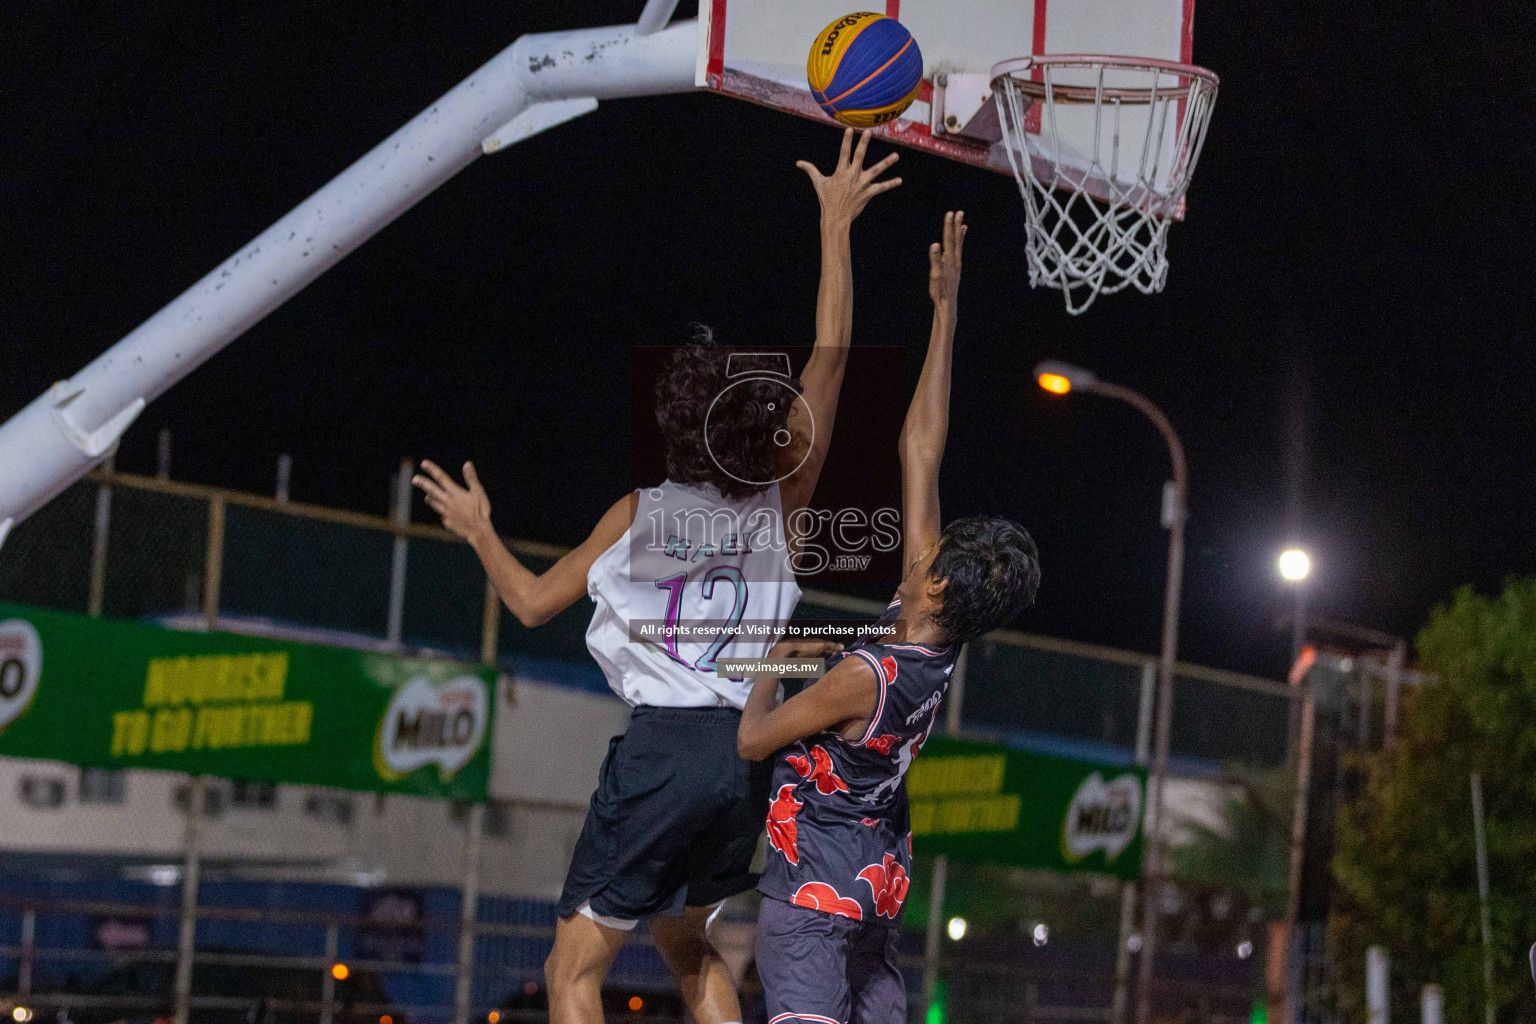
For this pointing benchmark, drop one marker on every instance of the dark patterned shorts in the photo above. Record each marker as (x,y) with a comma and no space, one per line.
(827,969)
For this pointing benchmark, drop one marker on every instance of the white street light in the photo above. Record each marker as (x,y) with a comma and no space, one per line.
(1295,565)
(957,928)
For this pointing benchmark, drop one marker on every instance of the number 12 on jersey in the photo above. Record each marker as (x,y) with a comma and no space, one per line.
(676,584)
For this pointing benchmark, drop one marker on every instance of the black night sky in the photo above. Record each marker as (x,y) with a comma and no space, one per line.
(1344,343)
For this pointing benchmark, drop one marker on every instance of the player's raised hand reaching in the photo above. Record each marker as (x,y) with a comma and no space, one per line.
(845,192)
(944,260)
(465,510)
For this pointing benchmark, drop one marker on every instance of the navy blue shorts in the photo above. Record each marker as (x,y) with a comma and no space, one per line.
(826,969)
(674,820)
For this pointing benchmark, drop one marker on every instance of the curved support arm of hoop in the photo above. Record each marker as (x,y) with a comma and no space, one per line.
(538,117)
(655,17)
(95,442)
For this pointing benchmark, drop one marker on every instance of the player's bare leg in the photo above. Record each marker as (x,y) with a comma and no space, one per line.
(701,974)
(574,972)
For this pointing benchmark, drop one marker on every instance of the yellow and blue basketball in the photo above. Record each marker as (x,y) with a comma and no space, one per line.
(864,69)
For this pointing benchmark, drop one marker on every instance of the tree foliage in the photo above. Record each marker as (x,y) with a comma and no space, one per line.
(1247,854)
(1405,863)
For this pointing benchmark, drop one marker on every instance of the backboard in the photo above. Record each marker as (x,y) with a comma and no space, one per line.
(756,50)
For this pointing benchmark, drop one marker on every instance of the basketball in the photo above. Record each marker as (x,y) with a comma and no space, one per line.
(864,69)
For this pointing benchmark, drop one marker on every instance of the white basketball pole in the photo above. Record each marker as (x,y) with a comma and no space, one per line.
(1431,1005)
(1119,1005)
(1376,988)
(536,83)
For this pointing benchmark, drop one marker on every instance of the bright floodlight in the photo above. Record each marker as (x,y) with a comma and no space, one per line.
(1059,378)
(957,928)
(1295,565)
(1042,934)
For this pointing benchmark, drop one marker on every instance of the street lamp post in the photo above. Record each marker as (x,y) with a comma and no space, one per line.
(1295,567)
(1062,378)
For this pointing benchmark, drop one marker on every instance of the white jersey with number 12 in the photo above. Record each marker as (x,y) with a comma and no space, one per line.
(716,567)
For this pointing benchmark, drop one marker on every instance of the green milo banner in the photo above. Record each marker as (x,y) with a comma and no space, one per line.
(113,694)
(988,803)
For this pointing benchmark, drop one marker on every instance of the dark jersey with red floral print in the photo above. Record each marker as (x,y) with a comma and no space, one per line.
(838,825)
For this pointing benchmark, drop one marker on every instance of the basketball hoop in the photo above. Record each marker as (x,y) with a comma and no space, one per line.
(1098,220)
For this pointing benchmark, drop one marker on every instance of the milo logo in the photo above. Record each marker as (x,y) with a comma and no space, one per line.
(427,723)
(21,663)
(1102,816)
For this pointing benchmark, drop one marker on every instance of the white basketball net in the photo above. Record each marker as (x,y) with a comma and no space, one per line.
(1102,161)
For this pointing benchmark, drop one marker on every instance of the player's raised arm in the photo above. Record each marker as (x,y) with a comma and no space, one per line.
(534,598)
(845,694)
(843,195)
(926,429)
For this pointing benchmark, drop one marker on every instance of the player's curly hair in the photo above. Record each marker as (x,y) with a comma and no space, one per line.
(992,569)
(740,448)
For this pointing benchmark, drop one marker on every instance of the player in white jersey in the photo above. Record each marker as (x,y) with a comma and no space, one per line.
(691,558)
(673,570)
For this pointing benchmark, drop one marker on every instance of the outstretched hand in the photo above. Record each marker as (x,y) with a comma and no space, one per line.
(845,192)
(465,510)
(944,260)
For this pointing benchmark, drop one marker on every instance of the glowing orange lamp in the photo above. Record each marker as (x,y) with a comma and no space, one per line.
(1055,383)
(1060,378)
